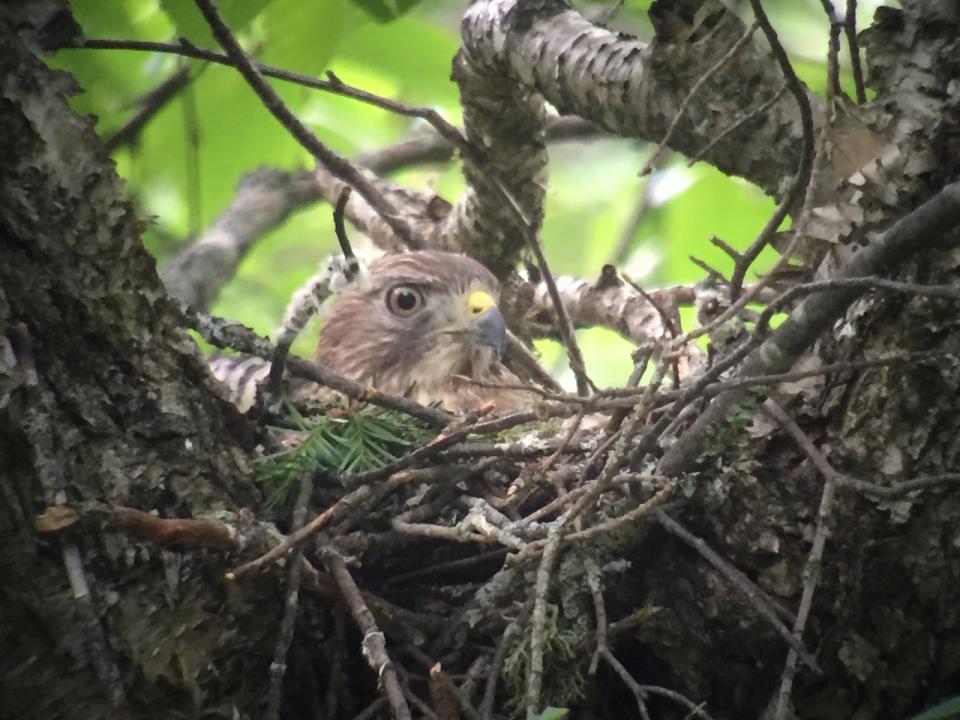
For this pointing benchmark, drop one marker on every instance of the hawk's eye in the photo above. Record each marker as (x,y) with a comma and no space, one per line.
(404,300)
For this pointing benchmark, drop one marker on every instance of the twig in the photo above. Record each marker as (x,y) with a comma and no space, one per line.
(592,571)
(278,667)
(499,656)
(191,154)
(539,619)
(427,711)
(931,222)
(333,84)
(856,283)
(338,165)
(297,538)
(374,643)
(575,357)
(336,275)
(811,570)
(850,27)
(694,709)
(802,178)
(833,53)
(715,68)
(150,104)
(897,489)
(755,596)
(227,334)
(632,685)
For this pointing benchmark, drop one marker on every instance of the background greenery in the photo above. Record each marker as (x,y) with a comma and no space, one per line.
(182,170)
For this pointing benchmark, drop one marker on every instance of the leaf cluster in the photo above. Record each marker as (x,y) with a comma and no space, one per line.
(362,439)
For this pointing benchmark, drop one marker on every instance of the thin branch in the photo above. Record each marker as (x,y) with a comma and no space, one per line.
(297,538)
(932,222)
(753,594)
(374,643)
(628,680)
(149,105)
(337,274)
(538,620)
(833,53)
(338,165)
(332,85)
(802,178)
(499,656)
(681,111)
(740,122)
(231,335)
(811,570)
(278,667)
(850,27)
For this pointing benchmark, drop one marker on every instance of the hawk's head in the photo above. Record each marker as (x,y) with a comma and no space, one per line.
(425,318)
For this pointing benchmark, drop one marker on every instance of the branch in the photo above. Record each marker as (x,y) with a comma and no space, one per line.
(374,643)
(264,199)
(511,48)
(149,105)
(928,224)
(334,162)
(614,304)
(234,336)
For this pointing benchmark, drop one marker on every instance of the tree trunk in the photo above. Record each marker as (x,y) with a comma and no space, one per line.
(105,401)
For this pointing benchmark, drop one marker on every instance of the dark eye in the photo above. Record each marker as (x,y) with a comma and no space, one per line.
(404,300)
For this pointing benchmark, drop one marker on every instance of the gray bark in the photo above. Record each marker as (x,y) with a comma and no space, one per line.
(103,400)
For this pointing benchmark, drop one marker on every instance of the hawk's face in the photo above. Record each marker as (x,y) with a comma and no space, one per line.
(424,318)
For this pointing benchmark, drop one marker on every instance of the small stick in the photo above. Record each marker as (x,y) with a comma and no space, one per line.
(374,643)
(278,667)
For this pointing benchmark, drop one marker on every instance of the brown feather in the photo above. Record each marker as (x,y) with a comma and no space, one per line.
(365,341)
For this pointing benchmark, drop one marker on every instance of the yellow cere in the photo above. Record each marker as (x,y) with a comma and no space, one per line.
(478,301)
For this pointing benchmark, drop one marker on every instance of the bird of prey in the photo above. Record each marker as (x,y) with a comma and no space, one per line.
(425,325)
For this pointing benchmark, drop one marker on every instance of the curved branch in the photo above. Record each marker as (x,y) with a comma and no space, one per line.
(516,55)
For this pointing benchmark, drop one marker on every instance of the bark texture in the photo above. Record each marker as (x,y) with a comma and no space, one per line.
(104,399)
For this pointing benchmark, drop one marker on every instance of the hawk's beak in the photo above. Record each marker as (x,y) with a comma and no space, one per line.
(487,326)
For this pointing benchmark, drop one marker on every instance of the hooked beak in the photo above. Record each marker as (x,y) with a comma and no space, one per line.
(490,330)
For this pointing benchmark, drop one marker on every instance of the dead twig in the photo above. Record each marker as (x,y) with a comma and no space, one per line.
(755,596)
(802,177)
(811,570)
(338,165)
(278,667)
(850,28)
(374,643)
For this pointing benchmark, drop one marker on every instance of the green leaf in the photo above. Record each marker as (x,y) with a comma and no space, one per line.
(947,710)
(191,24)
(551,713)
(304,36)
(384,11)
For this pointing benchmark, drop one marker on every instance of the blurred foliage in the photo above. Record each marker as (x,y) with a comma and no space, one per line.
(182,169)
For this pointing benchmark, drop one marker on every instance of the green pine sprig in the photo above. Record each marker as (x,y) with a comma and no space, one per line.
(363,439)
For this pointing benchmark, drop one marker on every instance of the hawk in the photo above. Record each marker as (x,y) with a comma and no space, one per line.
(425,325)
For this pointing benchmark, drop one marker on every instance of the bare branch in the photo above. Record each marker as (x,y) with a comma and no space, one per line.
(930,223)
(336,163)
